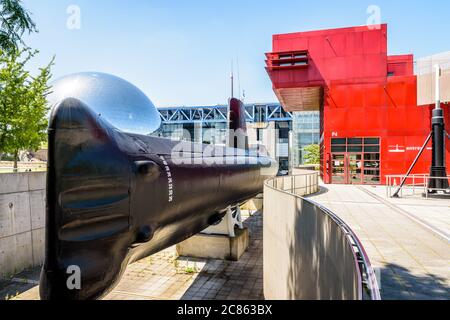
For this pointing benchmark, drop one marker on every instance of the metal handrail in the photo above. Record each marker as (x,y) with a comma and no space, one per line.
(367,275)
(423,181)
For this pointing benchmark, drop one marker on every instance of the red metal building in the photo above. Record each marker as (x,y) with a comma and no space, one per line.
(370,122)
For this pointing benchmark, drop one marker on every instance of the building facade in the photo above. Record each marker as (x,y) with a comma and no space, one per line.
(370,123)
(282,134)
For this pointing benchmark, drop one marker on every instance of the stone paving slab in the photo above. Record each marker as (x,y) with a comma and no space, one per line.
(434,211)
(164,276)
(412,261)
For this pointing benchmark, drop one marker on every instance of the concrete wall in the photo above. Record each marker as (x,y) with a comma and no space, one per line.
(22,221)
(306,253)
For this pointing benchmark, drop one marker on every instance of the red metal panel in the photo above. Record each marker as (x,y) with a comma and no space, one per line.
(401,65)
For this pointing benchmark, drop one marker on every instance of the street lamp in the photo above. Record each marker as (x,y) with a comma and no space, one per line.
(438,170)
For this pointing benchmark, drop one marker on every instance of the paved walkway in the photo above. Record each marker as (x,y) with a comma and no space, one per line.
(405,239)
(163,276)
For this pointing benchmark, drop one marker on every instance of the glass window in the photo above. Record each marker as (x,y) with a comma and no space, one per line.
(338,149)
(284,56)
(355,141)
(372,156)
(371,164)
(258,135)
(355,149)
(371,179)
(338,141)
(371,149)
(372,141)
(283,134)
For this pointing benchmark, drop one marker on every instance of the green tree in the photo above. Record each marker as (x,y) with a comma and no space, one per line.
(23,103)
(312,154)
(15,20)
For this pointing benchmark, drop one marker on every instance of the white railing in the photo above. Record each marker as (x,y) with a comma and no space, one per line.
(413,183)
(302,184)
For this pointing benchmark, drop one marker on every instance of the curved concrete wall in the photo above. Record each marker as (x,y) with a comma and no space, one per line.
(307,252)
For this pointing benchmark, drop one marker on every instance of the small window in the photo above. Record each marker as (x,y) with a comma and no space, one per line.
(355,141)
(371,165)
(338,149)
(339,141)
(371,141)
(355,149)
(391,74)
(284,57)
(371,149)
(301,56)
(259,135)
(283,134)
(372,156)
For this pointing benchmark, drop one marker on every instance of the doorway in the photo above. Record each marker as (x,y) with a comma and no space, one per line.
(347,168)
(355,161)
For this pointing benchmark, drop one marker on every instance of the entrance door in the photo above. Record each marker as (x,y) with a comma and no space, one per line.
(347,168)
(354,168)
(338,169)
(355,160)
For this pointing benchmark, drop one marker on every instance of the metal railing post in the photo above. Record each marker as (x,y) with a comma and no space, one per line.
(388,187)
(292,185)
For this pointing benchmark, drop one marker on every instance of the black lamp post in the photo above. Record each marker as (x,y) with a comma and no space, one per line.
(438,169)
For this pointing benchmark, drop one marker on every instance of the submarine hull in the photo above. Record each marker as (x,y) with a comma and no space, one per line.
(115,197)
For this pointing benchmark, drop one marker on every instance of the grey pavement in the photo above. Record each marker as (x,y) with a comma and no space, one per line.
(164,276)
(404,238)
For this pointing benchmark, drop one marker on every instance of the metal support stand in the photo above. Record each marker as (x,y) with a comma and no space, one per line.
(226,227)
(396,194)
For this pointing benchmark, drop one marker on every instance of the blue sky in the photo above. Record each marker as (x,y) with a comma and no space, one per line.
(180,52)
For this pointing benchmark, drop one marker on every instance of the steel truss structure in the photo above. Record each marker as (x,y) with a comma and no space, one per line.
(254,113)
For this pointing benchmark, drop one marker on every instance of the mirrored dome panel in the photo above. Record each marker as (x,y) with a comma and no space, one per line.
(122,104)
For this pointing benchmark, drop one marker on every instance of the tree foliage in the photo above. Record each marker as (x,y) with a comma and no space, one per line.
(23,104)
(312,154)
(15,20)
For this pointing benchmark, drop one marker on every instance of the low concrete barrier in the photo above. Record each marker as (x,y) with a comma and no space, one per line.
(307,167)
(309,253)
(22,221)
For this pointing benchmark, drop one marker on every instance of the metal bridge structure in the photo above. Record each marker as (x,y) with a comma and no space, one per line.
(254,113)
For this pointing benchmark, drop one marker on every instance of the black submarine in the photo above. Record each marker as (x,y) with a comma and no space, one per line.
(116,193)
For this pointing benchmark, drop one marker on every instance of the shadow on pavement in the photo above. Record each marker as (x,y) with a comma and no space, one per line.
(399,283)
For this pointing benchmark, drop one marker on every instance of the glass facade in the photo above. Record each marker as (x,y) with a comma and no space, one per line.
(283,128)
(305,132)
(201,132)
(293,132)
